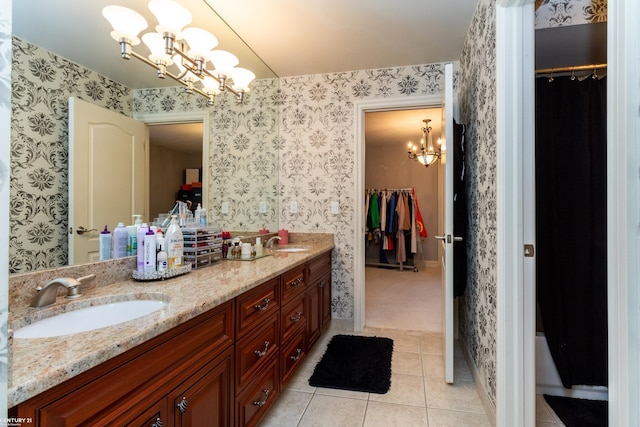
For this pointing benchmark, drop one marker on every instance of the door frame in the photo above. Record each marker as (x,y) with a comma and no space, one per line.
(180,117)
(360,108)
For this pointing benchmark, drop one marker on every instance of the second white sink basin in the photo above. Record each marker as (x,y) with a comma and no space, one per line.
(90,318)
(292,249)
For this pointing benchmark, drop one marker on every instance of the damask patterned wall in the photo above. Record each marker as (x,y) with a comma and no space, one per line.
(558,13)
(317,146)
(42,82)
(478,311)
(243,150)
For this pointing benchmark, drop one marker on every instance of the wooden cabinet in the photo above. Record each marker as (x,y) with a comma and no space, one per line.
(132,388)
(225,367)
(318,297)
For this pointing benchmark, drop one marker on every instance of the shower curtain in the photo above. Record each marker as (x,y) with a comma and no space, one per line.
(571,253)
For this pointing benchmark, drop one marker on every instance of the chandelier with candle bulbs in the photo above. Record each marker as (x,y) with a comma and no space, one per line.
(191,49)
(426,153)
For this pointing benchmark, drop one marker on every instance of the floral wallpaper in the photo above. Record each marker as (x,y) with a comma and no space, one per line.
(41,84)
(243,150)
(478,309)
(558,13)
(317,146)
(5,108)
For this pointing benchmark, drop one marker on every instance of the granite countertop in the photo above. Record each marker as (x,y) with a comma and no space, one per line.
(40,364)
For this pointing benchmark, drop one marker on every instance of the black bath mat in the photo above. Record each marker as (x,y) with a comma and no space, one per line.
(579,412)
(355,363)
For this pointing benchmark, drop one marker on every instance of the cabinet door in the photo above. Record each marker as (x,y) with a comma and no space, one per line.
(314,319)
(205,400)
(325,309)
(291,356)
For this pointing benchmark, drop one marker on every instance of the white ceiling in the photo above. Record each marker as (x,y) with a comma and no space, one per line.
(321,36)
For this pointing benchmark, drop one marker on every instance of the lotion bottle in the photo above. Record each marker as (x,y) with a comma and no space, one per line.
(141,235)
(120,241)
(149,251)
(161,257)
(175,244)
(105,244)
(258,247)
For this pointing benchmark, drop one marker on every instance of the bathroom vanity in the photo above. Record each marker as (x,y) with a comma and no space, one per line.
(231,337)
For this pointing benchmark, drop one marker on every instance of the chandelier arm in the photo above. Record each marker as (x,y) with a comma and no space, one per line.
(182,82)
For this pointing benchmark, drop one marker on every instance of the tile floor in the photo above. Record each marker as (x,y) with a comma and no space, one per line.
(418,395)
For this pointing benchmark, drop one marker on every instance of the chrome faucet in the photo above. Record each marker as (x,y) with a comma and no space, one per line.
(270,241)
(47,295)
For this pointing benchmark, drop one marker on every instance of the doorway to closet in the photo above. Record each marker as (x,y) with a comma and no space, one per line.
(401,295)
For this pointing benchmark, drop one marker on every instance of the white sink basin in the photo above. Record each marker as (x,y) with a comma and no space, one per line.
(291,249)
(89,318)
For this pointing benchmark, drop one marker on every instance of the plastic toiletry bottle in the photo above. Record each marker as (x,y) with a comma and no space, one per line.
(175,244)
(141,236)
(149,251)
(258,247)
(105,244)
(201,216)
(120,241)
(132,244)
(161,257)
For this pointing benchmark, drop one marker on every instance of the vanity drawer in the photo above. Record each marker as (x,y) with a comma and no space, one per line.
(255,401)
(256,305)
(319,266)
(255,350)
(291,356)
(293,283)
(293,317)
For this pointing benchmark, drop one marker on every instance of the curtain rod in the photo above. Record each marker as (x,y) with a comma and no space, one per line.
(569,69)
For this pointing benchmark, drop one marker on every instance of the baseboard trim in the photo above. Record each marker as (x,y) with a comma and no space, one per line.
(489,407)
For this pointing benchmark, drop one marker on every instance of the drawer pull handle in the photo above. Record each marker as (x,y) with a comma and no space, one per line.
(297,317)
(297,356)
(263,352)
(322,284)
(263,307)
(297,282)
(183,405)
(157,423)
(261,403)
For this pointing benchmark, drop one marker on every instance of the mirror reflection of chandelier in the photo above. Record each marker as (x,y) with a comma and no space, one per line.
(426,153)
(190,49)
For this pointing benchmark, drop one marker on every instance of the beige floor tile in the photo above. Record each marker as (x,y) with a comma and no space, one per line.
(380,414)
(433,365)
(431,344)
(405,390)
(300,380)
(461,370)
(288,409)
(406,363)
(349,394)
(333,411)
(447,418)
(540,423)
(461,396)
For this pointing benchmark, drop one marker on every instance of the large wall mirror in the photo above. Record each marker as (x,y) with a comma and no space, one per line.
(63,49)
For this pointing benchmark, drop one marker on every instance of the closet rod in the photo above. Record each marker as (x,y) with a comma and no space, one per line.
(569,69)
(390,189)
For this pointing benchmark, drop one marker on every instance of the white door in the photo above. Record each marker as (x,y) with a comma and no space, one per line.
(106,175)
(447,238)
